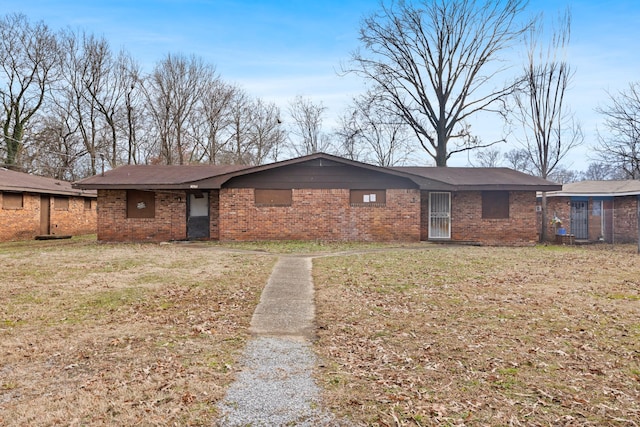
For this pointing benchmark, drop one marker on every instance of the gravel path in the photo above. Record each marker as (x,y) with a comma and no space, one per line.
(276,386)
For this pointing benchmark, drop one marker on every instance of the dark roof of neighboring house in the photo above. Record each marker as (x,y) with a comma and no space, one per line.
(214,176)
(14,181)
(598,189)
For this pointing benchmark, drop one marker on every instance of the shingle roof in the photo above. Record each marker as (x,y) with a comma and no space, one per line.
(156,176)
(24,182)
(599,188)
(482,178)
(214,176)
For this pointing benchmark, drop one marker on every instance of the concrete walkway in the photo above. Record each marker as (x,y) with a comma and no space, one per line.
(286,305)
(276,386)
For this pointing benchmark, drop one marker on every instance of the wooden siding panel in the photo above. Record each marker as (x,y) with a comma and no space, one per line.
(319,177)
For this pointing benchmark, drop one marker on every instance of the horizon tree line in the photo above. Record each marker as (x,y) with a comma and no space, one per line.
(71,105)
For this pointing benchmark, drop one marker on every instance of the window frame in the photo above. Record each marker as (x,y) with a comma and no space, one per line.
(267,197)
(10,203)
(61,203)
(364,198)
(141,204)
(496,204)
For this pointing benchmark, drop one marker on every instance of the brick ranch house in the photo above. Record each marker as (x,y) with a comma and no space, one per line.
(596,211)
(316,197)
(34,206)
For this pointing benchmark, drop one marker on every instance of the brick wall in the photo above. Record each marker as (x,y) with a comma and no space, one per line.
(169,222)
(560,207)
(76,220)
(620,219)
(625,219)
(24,223)
(468,225)
(322,214)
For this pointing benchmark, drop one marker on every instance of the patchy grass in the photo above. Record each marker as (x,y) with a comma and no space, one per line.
(315,247)
(481,336)
(94,334)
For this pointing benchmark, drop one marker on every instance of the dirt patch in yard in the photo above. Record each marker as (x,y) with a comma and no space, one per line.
(96,334)
(481,336)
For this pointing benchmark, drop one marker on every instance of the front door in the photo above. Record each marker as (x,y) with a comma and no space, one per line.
(439,215)
(198,216)
(580,219)
(45,216)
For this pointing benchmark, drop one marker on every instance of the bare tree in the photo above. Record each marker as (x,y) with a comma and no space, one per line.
(562,175)
(373,132)
(175,90)
(549,128)
(28,64)
(599,171)
(266,133)
(620,145)
(307,127)
(130,78)
(212,124)
(80,69)
(519,159)
(487,158)
(239,147)
(434,62)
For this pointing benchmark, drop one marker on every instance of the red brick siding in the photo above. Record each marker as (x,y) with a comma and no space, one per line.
(620,218)
(322,214)
(561,208)
(169,223)
(214,214)
(625,219)
(22,224)
(468,225)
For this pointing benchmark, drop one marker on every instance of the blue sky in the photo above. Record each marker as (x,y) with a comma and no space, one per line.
(278,49)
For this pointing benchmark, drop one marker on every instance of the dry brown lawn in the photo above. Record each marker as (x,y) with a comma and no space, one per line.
(94,334)
(472,336)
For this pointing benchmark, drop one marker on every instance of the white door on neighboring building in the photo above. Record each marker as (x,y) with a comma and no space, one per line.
(439,215)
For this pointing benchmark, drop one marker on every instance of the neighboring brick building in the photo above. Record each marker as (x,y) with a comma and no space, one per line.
(592,211)
(317,197)
(33,206)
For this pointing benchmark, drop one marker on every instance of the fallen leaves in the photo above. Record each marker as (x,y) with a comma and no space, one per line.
(500,336)
(123,334)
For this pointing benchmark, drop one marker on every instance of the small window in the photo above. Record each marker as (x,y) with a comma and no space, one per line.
(12,201)
(141,204)
(368,197)
(495,204)
(264,197)
(61,203)
(596,209)
(87,204)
